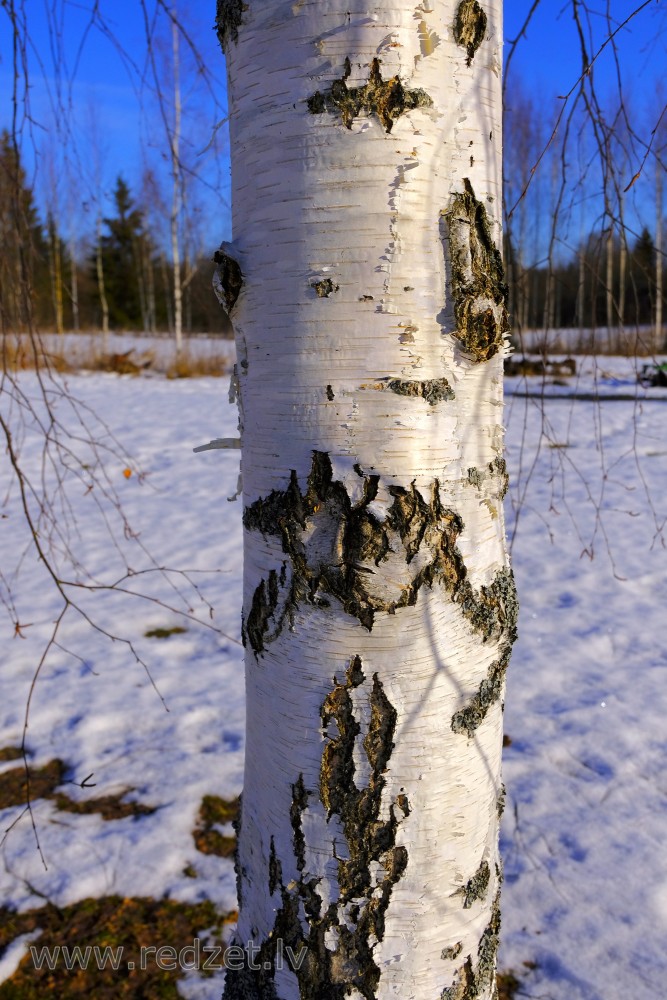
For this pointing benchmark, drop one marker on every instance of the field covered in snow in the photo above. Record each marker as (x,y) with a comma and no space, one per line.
(584,832)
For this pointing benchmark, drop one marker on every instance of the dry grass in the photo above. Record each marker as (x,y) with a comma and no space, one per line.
(83,353)
(631,342)
(111,922)
(43,781)
(23,353)
(189,365)
(215,812)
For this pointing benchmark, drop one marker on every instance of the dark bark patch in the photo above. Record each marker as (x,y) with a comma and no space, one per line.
(478,283)
(325,287)
(239,871)
(228,20)
(434,390)
(477,886)
(450,954)
(468,719)
(358,915)
(330,394)
(387,99)
(331,950)
(336,549)
(335,546)
(262,610)
(229,279)
(470,27)
(275,869)
(337,770)
(252,981)
(297,809)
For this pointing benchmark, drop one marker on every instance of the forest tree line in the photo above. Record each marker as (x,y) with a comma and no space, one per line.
(119,278)
(606,283)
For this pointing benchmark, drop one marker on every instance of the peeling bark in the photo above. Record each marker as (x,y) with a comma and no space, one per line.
(470,27)
(478,282)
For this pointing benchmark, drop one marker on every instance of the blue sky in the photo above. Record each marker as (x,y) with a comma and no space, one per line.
(111,80)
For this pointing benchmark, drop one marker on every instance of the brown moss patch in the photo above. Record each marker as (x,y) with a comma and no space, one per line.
(507,984)
(109,807)
(214,812)
(15,790)
(10,753)
(164,633)
(111,922)
(15,786)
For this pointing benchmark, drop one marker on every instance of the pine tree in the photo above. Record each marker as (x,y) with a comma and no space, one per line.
(24,277)
(122,257)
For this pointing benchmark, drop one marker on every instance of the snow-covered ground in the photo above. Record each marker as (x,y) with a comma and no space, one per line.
(585,828)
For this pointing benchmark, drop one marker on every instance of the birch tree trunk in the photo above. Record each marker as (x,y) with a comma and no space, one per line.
(176,173)
(101,289)
(379,607)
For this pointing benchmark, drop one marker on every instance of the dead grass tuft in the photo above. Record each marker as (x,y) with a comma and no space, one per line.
(189,365)
(21,352)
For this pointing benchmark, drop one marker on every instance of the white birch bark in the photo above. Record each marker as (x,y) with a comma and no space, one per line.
(177,181)
(99,270)
(379,609)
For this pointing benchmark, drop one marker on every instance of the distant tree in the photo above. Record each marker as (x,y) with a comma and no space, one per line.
(24,272)
(642,271)
(55,255)
(123,248)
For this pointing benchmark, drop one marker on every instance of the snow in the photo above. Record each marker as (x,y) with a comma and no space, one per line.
(585,869)
(585,896)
